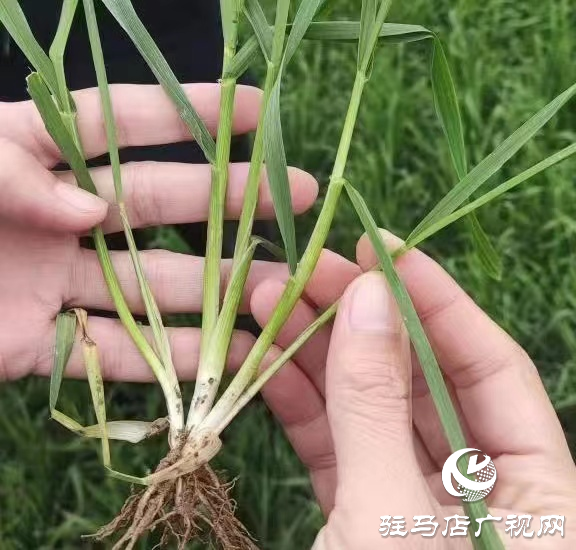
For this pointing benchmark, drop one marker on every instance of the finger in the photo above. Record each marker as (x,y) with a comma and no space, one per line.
(32,196)
(426,419)
(425,461)
(498,387)
(144,116)
(171,193)
(176,280)
(332,275)
(306,427)
(368,391)
(311,357)
(120,360)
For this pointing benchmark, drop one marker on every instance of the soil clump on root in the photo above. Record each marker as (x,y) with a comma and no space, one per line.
(194,506)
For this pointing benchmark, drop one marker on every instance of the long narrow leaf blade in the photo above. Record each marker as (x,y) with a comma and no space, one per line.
(367,21)
(277,170)
(64,26)
(493,162)
(65,334)
(262,30)
(535,170)
(336,31)
(489,539)
(105,97)
(489,258)
(430,366)
(245,56)
(57,50)
(448,111)
(162,346)
(349,31)
(124,13)
(56,128)
(14,20)
(302,21)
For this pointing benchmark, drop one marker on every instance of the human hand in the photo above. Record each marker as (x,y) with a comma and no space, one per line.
(43,268)
(366,426)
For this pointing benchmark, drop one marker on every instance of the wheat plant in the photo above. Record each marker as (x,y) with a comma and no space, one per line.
(183,497)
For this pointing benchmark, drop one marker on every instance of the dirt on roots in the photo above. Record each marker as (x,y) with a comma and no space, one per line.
(194,506)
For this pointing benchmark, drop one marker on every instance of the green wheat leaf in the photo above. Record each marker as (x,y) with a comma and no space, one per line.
(499,190)
(367,21)
(124,13)
(446,103)
(448,111)
(349,31)
(244,57)
(57,129)
(14,20)
(489,258)
(161,343)
(57,49)
(277,171)
(331,31)
(479,175)
(275,154)
(262,30)
(105,98)
(300,25)
(65,334)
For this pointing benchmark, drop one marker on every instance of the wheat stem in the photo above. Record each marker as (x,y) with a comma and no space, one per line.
(297,282)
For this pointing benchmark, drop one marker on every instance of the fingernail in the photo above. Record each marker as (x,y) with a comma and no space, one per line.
(80,200)
(372,307)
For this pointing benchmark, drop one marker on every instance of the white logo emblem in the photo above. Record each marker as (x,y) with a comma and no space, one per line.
(469,490)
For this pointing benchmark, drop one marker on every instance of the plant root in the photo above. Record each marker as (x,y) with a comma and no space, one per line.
(196,505)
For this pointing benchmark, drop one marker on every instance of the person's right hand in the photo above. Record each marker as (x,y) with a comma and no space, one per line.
(43,268)
(365,424)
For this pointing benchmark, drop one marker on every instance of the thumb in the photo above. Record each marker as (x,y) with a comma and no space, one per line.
(369,402)
(33,196)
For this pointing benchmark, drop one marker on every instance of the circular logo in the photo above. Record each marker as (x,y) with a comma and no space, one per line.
(481,475)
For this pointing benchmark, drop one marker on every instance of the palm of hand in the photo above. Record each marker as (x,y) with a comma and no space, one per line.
(34,282)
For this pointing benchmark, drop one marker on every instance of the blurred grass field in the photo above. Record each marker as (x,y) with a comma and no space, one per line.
(509,59)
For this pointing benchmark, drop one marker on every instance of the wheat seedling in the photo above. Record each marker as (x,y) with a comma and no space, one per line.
(183,497)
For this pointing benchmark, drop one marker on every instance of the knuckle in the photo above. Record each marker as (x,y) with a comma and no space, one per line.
(77,276)
(377,372)
(145,198)
(509,355)
(375,384)
(155,264)
(121,119)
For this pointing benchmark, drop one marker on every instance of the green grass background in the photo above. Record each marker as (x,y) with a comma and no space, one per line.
(509,59)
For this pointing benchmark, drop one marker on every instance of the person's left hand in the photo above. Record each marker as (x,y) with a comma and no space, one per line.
(43,267)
